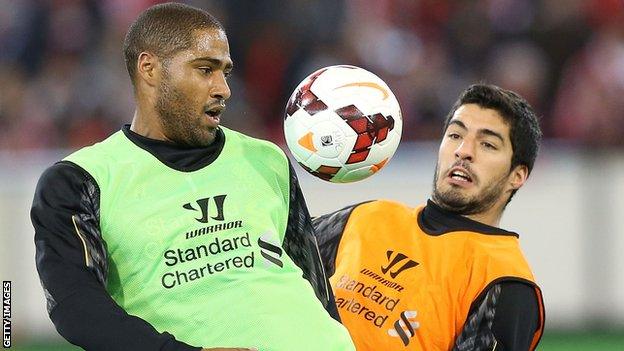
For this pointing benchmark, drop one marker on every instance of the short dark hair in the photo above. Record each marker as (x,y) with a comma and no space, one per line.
(164,30)
(525,132)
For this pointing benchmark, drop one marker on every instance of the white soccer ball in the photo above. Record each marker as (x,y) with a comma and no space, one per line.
(342,124)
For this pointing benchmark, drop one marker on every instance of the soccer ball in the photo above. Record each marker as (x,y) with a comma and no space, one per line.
(342,123)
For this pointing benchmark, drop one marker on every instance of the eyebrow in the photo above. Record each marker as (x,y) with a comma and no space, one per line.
(491,133)
(483,131)
(215,62)
(458,123)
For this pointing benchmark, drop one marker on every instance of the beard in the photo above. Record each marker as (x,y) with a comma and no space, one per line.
(454,200)
(180,123)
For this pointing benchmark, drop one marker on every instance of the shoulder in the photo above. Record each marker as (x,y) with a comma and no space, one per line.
(63,186)
(247,141)
(334,221)
(99,152)
(97,159)
(263,153)
(385,208)
(497,257)
(368,210)
(63,173)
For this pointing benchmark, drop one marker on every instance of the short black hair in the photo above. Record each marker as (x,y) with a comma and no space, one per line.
(164,30)
(525,132)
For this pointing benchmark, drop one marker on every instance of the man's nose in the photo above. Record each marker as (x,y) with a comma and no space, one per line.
(220,88)
(465,150)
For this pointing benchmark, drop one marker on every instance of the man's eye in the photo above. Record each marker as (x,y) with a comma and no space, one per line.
(205,70)
(488,145)
(454,136)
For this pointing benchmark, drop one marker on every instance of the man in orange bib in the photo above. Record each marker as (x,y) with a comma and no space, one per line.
(443,276)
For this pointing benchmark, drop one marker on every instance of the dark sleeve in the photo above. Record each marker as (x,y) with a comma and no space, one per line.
(301,246)
(517,316)
(328,229)
(72,264)
(505,319)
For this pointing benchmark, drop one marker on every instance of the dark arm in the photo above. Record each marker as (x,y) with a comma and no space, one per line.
(328,229)
(504,320)
(72,264)
(301,246)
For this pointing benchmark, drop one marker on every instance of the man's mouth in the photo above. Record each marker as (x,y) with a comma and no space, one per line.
(460,174)
(214,114)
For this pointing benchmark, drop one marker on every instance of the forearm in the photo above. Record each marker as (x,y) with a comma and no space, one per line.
(301,246)
(92,320)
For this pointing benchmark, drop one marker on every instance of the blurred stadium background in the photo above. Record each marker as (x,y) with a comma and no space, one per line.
(63,85)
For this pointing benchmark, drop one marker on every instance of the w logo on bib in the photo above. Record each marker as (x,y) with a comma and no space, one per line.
(203,205)
(399,257)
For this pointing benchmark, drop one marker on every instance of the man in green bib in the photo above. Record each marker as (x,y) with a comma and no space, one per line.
(176,233)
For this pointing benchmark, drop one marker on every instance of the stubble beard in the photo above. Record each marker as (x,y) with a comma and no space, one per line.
(455,201)
(180,124)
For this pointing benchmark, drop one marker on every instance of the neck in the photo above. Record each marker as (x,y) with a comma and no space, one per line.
(491,216)
(146,122)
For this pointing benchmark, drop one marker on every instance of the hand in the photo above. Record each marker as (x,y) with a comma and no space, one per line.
(230,349)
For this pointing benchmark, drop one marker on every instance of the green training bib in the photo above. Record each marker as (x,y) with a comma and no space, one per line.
(199,255)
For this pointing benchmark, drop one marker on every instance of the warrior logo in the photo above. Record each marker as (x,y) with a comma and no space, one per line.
(399,257)
(203,208)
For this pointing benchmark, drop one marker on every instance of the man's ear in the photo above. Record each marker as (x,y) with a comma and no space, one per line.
(518,176)
(148,68)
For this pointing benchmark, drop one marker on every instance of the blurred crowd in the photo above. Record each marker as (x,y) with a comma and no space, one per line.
(63,83)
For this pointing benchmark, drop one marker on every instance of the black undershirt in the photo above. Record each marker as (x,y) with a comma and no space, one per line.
(178,157)
(435,220)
